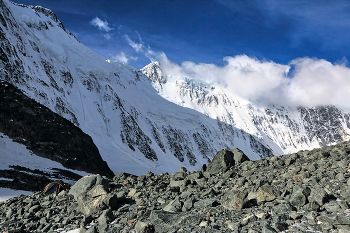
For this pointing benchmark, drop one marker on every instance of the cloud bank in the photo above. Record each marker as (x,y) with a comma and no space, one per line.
(305,82)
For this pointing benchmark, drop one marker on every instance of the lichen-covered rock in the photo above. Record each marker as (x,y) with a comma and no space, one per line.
(267,193)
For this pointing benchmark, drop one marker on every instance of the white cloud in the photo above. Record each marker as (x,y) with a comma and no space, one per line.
(123,58)
(102,25)
(107,36)
(140,47)
(313,82)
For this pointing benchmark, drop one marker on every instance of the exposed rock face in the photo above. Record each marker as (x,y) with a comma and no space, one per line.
(253,196)
(46,133)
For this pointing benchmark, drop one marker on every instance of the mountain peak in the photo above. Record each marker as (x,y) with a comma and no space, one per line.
(154,73)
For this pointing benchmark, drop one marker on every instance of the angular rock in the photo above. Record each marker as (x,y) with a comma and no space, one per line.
(106,217)
(239,156)
(209,202)
(346,194)
(283,208)
(132,192)
(299,196)
(267,193)
(164,222)
(222,161)
(318,195)
(233,200)
(179,183)
(96,200)
(234,226)
(291,159)
(174,206)
(268,229)
(86,183)
(332,206)
(142,227)
(195,175)
(188,205)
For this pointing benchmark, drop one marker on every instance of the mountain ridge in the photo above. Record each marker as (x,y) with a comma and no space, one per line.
(134,128)
(290,129)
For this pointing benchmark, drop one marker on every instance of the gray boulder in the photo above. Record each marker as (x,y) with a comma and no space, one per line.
(239,156)
(222,161)
(166,222)
(96,200)
(208,202)
(283,208)
(92,195)
(318,195)
(86,183)
(266,193)
(174,206)
(299,196)
(233,200)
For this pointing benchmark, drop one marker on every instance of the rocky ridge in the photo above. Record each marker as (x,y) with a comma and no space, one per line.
(299,192)
(47,135)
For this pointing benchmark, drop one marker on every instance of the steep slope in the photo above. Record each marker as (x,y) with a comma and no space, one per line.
(285,130)
(47,134)
(134,128)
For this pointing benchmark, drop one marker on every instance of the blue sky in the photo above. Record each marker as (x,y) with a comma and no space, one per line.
(206,31)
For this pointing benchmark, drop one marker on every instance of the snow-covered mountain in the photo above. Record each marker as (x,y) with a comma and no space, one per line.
(134,128)
(283,129)
(138,125)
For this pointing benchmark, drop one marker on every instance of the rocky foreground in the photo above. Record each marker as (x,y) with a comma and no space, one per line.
(308,191)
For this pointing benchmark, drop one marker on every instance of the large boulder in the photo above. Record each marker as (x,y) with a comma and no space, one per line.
(86,183)
(96,200)
(221,162)
(92,195)
(233,200)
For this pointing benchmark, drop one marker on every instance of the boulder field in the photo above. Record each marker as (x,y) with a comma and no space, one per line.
(308,191)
